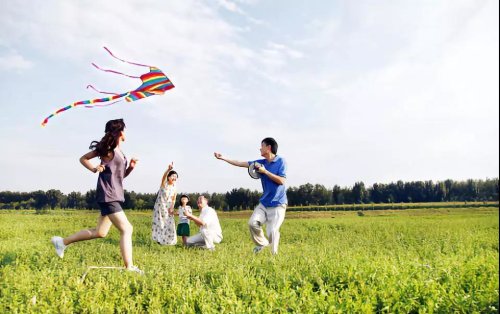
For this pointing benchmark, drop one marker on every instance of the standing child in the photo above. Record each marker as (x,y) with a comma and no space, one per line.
(183,226)
(163,216)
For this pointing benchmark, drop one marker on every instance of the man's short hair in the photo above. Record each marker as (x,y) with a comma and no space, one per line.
(205,197)
(269,141)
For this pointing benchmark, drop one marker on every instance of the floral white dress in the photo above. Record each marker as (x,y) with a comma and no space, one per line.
(164,231)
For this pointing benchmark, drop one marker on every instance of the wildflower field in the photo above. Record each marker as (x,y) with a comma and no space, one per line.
(386,261)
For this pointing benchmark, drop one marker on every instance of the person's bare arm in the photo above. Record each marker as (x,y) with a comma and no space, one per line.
(276,179)
(131,167)
(171,209)
(236,163)
(85,161)
(170,167)
(196,220)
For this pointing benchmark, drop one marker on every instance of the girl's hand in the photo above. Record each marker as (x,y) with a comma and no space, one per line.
(99,168)
(133,162)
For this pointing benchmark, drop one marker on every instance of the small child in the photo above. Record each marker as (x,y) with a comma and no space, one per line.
(183,226)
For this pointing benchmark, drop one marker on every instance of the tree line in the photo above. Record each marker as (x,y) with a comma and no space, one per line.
(303,195)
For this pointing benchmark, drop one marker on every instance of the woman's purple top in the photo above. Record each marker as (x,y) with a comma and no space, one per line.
(110,182)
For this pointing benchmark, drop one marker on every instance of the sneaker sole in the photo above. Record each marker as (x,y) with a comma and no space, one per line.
(53,240)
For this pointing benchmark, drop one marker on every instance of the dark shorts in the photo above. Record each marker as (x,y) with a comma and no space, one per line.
(183,229)
(110,208)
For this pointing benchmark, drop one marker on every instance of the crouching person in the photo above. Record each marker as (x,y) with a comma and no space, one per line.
(210,230)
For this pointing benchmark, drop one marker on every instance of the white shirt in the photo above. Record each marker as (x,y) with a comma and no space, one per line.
(211,221)
(182,214)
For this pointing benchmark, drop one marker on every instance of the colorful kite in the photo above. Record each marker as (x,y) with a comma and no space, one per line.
(155,82)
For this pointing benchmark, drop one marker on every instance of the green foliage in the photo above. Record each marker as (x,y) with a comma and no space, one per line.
(304,195)
(425,261)
(400,206)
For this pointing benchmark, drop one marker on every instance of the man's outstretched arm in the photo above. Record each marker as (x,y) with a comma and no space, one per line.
(236,163)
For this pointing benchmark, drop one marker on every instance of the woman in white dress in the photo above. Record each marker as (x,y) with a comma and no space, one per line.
(164,228)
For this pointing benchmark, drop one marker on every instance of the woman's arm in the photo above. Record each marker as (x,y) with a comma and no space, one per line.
(85,161)
(131,167)
(163,179)
(170,167)
(171,209)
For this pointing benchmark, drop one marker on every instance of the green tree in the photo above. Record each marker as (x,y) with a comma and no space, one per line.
(359,193)
(40,198)
(54,198)
(91,200)
(320,195)
(75,200)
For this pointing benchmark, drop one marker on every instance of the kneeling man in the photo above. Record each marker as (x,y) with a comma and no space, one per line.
(210,230)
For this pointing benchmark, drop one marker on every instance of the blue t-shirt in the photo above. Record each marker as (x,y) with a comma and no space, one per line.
(274,194)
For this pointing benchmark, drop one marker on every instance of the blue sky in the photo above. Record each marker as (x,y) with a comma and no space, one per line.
(352,90)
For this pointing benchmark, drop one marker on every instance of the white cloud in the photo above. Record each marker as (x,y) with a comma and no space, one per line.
(377,92)
(424,113)
(230,6)
(234,8)
(14,61)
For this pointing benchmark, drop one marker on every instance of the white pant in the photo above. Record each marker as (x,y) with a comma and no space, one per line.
(205,238)
(273,217)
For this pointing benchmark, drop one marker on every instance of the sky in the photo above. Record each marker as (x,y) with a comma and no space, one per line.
(372,91)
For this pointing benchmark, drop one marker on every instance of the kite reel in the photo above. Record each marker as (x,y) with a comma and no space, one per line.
(253,170)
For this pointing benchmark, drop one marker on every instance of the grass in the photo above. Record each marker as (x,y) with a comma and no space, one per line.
(411,261)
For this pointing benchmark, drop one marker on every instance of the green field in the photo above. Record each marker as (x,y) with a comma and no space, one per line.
(419,260)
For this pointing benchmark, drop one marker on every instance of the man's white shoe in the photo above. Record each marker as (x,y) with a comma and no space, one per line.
(135,269)
(59,246)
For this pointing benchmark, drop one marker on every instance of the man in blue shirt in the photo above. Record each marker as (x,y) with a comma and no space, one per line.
(272,206)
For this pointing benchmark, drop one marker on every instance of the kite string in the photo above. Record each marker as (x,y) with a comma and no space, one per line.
(109,93)
(101,105)
(98,267)
(116,72)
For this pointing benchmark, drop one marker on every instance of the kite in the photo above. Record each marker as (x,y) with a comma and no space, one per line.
(155,82)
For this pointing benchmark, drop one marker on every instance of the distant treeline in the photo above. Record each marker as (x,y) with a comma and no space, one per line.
(304,195)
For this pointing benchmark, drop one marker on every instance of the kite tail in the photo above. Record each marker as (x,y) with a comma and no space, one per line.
(116,72)
(142,65)
(86,104)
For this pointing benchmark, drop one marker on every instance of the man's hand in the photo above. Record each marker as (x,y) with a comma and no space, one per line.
(219,156)
(261,169)
(232,162)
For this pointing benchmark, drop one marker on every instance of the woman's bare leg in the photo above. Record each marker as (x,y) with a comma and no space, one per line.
(100,231)
(121,222)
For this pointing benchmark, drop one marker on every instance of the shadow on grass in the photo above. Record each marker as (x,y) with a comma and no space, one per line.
(7,259)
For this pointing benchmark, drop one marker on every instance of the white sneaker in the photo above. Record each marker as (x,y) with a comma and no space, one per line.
(135,269)
(59,246)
